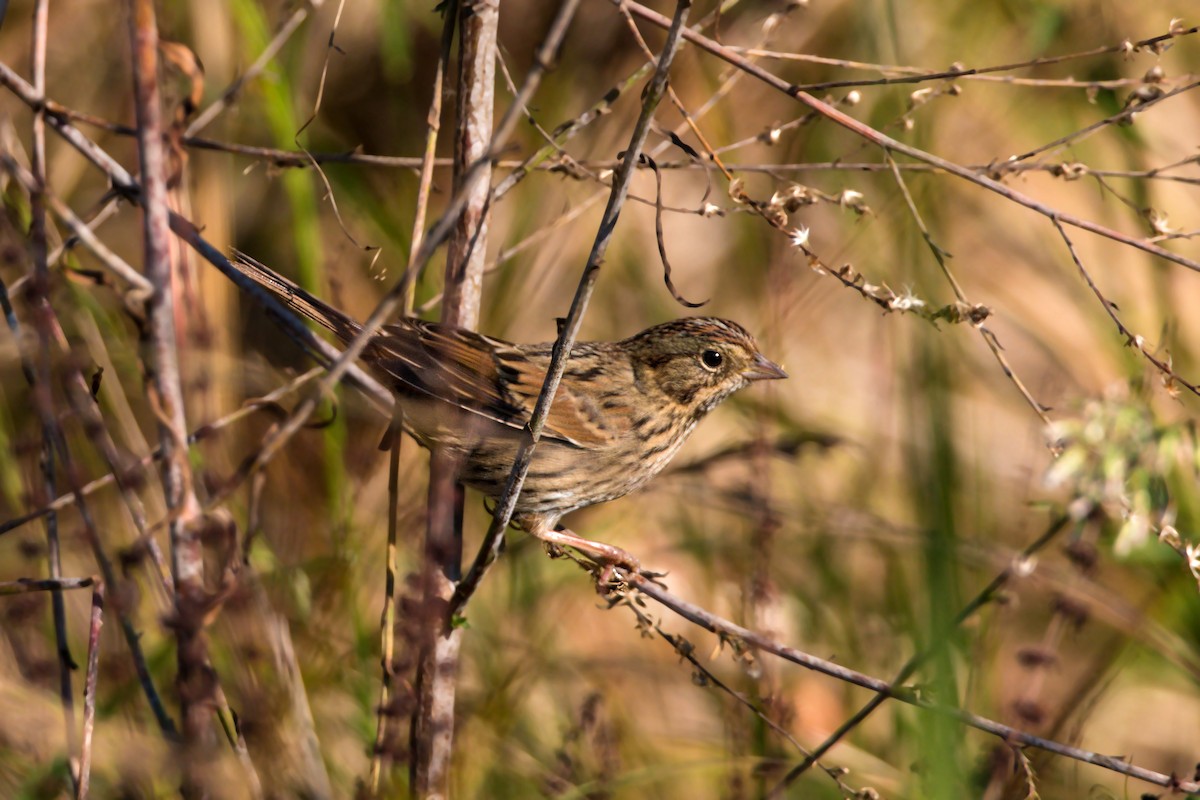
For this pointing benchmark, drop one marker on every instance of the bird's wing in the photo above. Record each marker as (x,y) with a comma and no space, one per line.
(296,298)
(575,415)
(483,375)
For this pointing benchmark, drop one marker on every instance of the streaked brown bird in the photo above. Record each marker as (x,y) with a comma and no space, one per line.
(622,410)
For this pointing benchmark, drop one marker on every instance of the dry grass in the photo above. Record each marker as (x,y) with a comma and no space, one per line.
(931,477)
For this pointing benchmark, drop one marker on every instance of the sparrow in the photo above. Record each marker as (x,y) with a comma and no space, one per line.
(622,411)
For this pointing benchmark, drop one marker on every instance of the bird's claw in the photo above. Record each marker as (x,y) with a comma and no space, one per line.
(608,575)
(652,576)
(609,558)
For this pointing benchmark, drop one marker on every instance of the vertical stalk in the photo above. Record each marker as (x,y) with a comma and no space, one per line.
(433,720)
(407,289)
(935,470)
(41,385)
(89,691)
(474,113)
(387,618)
(163,384)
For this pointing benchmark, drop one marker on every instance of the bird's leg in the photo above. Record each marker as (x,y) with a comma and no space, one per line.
(608,555)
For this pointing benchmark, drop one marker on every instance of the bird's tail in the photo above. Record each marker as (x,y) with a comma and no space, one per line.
(295,298)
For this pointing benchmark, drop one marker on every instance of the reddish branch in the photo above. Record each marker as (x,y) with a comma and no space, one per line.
(194,679)
(437,672)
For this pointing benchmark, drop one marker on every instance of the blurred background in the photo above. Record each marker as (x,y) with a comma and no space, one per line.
(851,511)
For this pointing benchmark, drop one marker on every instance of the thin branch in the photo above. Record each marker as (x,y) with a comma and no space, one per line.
(985,596)
(909,75)
(871,135)
(110,260)
(268,402)
(40,386)
(106,212)
(730,631)
(387,617)
(1171,378)
(988,336)
(687,651)
(89,691)
(490,548)
(77,497)
(1123,117)
(25,585)
(206,117)
(233,734)
(166,395)
(433,124)
(301,159)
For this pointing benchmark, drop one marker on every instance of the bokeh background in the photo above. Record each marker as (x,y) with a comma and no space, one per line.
(849,511)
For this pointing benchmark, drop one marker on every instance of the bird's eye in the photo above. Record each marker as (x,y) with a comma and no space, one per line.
(711,359)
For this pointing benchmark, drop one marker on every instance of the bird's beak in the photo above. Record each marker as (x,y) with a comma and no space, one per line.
(763,369)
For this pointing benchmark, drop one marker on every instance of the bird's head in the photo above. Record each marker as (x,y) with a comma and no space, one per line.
(696,362)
